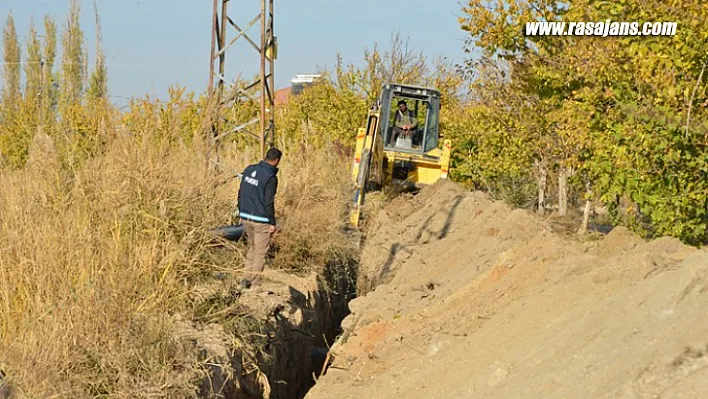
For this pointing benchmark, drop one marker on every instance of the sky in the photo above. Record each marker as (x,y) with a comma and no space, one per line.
(151,45)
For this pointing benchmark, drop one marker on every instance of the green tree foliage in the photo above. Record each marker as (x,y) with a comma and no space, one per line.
(33,70)
(83,107)
(614,110)
(31,105)
(85,115)
(49,80)
(11,136)
(328,111)
(98,83)
(336,106)
(72,78)
(12,65)
(174,122)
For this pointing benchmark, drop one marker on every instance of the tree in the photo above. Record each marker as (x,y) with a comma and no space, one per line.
(615,109)
(11,137)
(49,90)
(333,109)
(71,86)
(33,73)
(11,70)
(98,83)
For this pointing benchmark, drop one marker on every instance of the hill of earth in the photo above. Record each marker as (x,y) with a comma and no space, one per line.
(463,297)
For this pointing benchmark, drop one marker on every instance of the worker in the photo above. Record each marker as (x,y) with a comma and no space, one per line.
(256,207)
(405,122)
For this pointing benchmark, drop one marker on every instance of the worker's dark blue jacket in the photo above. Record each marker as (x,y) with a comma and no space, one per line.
(256,195)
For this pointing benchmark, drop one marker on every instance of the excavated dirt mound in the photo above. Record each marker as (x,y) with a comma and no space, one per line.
(466,298)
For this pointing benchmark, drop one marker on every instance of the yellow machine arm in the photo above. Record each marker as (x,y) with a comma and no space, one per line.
(367,152)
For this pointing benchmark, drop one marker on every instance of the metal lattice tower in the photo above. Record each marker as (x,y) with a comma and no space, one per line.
(264,94)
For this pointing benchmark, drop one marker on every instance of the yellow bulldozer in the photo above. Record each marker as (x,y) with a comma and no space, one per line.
(400,143)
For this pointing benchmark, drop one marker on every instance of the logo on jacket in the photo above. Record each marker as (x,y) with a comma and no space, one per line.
(251,180)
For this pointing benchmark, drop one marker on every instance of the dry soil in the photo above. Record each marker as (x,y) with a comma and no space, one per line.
(467,298)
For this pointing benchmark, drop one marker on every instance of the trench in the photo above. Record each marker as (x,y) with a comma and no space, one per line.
(297,347)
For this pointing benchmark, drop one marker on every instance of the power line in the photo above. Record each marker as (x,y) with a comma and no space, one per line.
(105,64)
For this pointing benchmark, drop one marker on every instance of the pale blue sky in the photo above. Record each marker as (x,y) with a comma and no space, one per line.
(152,44)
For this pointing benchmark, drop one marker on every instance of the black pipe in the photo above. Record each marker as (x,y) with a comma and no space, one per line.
(232,232)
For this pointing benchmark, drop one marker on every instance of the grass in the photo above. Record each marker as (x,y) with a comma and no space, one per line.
(96,263)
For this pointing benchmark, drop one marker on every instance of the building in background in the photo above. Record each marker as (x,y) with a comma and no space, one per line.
(297,85)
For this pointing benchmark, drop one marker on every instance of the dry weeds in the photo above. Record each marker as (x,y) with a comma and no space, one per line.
(94,263)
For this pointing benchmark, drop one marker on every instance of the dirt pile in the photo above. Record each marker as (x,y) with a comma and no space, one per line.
(468,298)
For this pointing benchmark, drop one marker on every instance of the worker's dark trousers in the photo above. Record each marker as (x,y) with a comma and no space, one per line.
(258,243)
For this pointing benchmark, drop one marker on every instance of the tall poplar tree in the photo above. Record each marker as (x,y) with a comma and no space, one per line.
(98,83)
(10,148)
(73,72)
(33,73)
(11,69)
(49,89)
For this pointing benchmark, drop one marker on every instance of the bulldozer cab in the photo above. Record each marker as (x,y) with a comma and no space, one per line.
(399,144)
(423,104)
